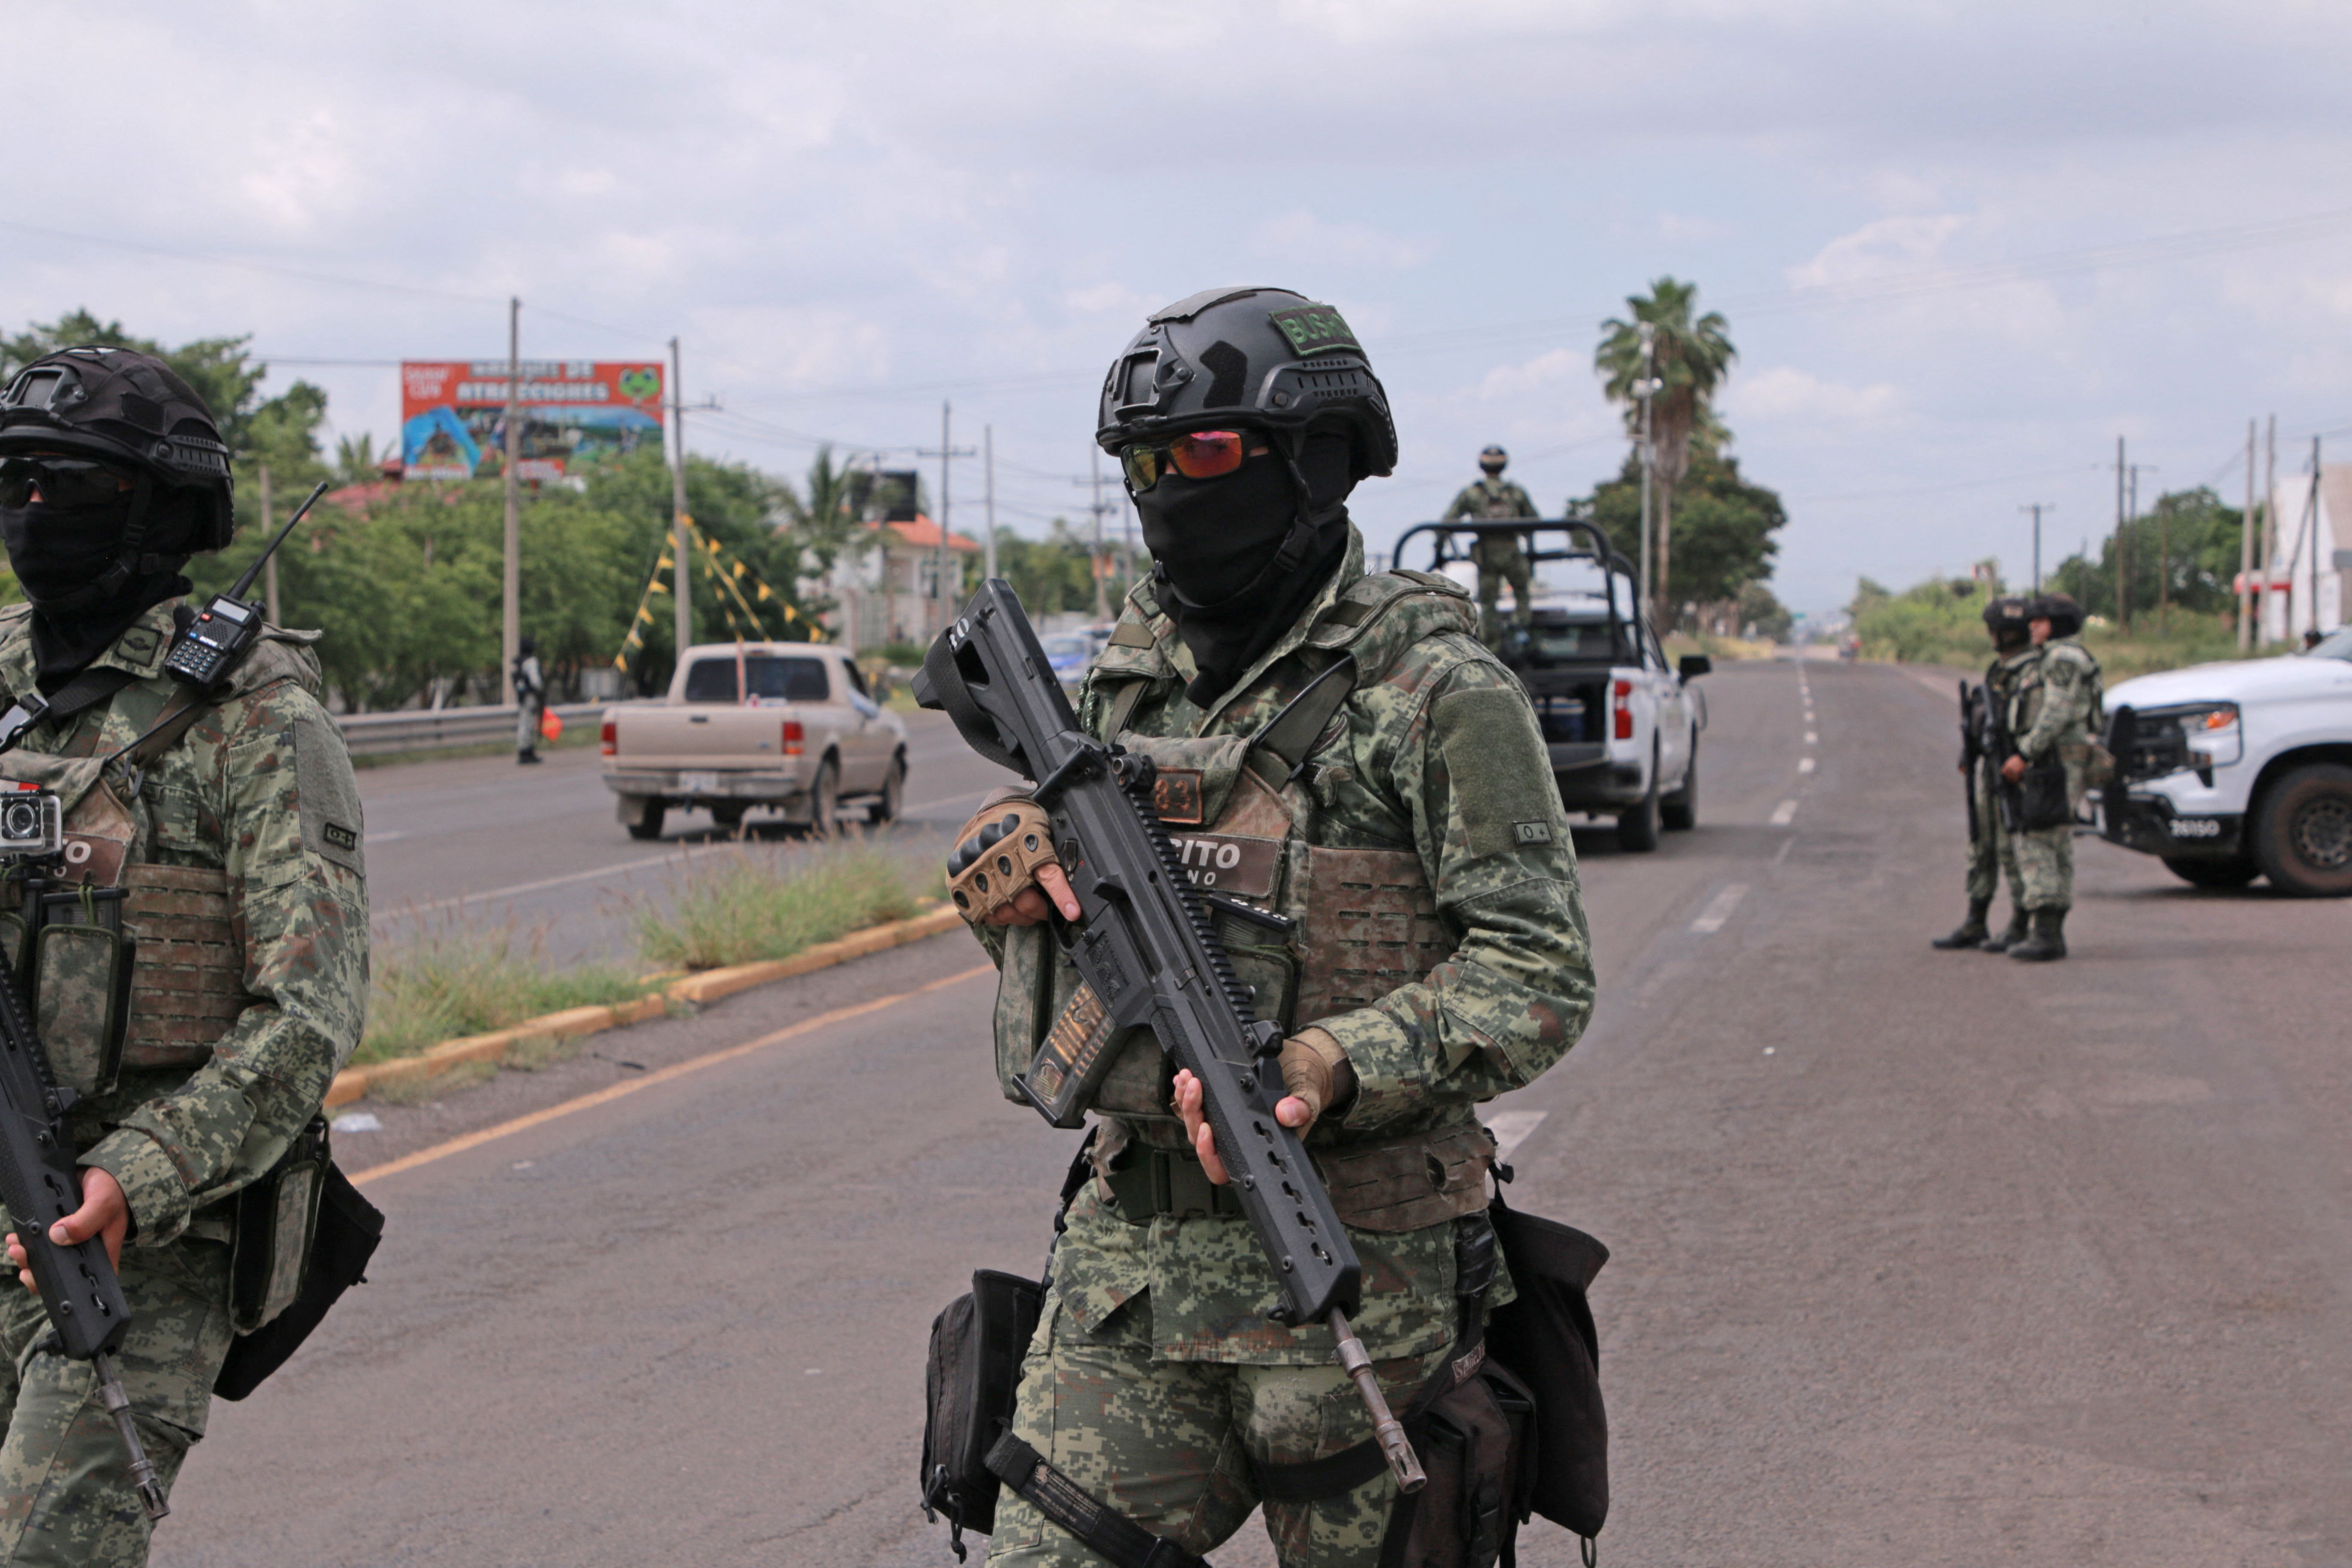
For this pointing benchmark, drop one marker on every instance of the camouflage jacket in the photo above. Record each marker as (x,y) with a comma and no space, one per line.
(2056,702)
(1440,755)
(1489,501)
(259,789)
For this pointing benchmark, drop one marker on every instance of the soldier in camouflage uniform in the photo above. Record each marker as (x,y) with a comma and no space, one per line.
(238,844)
(1439,956)
(2054,712)
(1499,557)
(1991,849)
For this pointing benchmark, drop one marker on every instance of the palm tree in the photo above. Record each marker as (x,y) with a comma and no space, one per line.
(1692,358)
(357,462)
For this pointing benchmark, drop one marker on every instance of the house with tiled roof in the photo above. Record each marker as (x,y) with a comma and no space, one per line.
(898,581)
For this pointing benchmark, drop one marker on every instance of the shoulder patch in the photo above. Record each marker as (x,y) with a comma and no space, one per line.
(327,797)
(1504,793)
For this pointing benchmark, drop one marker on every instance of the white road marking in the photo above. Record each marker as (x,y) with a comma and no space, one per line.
(1711,919)
(1784,813)
(1812,738)
(1804,765)
(1511,1128)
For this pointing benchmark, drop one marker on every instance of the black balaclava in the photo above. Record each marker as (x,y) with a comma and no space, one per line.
(59,549)
(1217,547)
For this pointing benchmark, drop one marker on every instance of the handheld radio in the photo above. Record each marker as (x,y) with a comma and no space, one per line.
(229,625)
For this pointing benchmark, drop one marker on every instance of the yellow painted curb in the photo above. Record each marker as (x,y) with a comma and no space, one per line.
(696,990)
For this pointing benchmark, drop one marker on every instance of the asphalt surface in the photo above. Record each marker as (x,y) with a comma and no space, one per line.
(1919,1257)
(484,844)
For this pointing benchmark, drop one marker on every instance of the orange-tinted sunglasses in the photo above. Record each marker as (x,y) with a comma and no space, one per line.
(1196,455)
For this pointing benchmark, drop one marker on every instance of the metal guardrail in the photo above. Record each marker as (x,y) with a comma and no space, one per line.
(433,730)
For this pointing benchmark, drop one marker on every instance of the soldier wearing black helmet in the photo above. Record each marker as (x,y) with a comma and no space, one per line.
(229,817)
(1435,951)
(1992,851)
(2055,713)
(1500,557)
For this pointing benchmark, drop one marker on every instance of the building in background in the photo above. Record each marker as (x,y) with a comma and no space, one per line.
(892,582)
(2303,589)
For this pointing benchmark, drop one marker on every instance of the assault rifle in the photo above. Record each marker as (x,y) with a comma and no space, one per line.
(1973,703)
(2000,745)
(1145,947)
(41,1185)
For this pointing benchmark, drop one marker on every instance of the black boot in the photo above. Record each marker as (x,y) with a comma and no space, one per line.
(2048,940)
(2009,937)
(1973,929)
(524,757)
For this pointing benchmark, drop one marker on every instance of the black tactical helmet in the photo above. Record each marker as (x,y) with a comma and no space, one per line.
(121,406)
(2064,616)
(1492,459)
(2007,615)
(1265,357)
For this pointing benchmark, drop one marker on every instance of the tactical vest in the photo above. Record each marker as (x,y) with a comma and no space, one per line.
(1358,919)
(161,990)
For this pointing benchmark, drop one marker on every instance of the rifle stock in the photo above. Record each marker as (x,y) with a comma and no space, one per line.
(1145,947)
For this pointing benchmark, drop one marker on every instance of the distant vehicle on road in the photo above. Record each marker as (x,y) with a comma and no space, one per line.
(1070,654)
(1621,724)
(786,727)
(2228,772)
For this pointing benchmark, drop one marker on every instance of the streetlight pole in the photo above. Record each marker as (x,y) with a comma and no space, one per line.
(510,581)
(1647,387)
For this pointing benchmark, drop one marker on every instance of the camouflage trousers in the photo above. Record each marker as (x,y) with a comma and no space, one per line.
(2046,868)
(1171,1444)
(1993,851)
(1494,571)
(65,1497)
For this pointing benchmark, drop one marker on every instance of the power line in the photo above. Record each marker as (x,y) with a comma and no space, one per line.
(275,268)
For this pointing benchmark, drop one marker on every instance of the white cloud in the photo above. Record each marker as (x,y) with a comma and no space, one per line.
(1301,236)
(1784,394)
(1543,372)
(1881,247)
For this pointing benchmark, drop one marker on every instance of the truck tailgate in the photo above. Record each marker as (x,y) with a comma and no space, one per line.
(719,736)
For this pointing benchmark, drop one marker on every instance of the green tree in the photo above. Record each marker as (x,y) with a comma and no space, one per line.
(1691,355)
(1053,574)
(1728,525)
(357,461)
(2189,541)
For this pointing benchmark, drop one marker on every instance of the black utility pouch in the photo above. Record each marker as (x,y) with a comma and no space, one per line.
(342,1235)
(1477,1442)
(968,1386)
(2042,800)
(276,1219)
(1547,1336)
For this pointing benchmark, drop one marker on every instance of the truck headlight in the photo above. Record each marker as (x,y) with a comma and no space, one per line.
(2210,734)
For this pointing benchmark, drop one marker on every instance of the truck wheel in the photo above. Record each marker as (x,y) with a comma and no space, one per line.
(2302,831)
(1637,829)
(2235,872)
(894,794)
(647,822)
(1678,812)
(825,800)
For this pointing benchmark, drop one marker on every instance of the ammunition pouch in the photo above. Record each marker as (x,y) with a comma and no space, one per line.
(969,1384)
(304,1236)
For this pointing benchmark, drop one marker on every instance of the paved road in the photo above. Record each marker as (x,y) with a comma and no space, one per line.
(483,842)
(1920,1258)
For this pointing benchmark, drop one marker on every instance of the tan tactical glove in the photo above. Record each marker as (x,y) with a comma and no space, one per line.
(998,855)
(1315,1069)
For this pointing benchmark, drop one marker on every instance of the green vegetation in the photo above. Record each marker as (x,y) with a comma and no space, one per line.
(1724,544)
(746,903)
(1940,621)
(1689,354)
(2189,544)
(455,978)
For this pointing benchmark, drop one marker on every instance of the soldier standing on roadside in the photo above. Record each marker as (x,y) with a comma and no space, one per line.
(531,699)
(1991,851)
(2052,712)
(1437,954)
(1499,556)
(231,818)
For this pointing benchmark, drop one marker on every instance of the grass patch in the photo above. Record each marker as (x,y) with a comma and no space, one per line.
(424,1091)
(742,903)
(455,978)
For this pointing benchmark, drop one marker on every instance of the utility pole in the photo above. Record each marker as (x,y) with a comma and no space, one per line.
(2037,509)
(2246,553)
(1098,506)
(2314,532)
(2136,469)
(270,572)
(680,525)
(948,452)
(988,463)
(1647,387)
(510,630)
(2123,545)
(2270,522)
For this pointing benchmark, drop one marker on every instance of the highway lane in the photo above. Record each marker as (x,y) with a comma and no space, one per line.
(1920,1257)
(485,843)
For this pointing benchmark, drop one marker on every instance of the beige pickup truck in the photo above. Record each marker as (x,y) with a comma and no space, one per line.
(789,727)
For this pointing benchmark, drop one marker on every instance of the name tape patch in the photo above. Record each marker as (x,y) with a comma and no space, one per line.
(1230,863)
(339,836)
(1531,832)
(1316,330)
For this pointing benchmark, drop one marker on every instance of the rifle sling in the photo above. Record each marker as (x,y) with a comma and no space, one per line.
(1058,1497)
(87,689)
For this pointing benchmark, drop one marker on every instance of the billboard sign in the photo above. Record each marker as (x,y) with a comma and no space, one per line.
(574,412)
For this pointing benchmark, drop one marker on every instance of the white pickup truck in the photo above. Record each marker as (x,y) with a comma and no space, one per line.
(2228,772)
(789,727)
(1621,723)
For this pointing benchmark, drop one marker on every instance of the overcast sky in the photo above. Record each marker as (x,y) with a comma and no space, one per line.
(1948,237)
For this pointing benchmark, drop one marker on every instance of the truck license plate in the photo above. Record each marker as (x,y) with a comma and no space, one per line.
(699,783)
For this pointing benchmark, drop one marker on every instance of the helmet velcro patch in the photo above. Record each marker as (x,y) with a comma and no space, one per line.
(1316,330)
